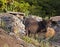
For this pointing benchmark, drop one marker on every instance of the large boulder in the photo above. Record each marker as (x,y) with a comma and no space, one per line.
(12,23)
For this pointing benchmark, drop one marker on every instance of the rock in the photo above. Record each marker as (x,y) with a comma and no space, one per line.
(57,29)
(18,26)
(20,15)
(55,18)
(56,38)
(36,17)
(12,23)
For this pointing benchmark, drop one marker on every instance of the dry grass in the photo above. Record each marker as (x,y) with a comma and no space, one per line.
(42,43)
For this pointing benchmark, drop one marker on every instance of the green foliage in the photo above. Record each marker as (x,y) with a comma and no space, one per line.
(27,39)
(42,8)
(31,40)
(42,43)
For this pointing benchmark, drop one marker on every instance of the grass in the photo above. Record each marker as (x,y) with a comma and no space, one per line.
(45,43)
(30,40)
(42,43)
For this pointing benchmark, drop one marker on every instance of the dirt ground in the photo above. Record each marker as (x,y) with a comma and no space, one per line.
(10,41)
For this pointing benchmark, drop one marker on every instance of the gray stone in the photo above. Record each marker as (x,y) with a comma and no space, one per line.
(13,23)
